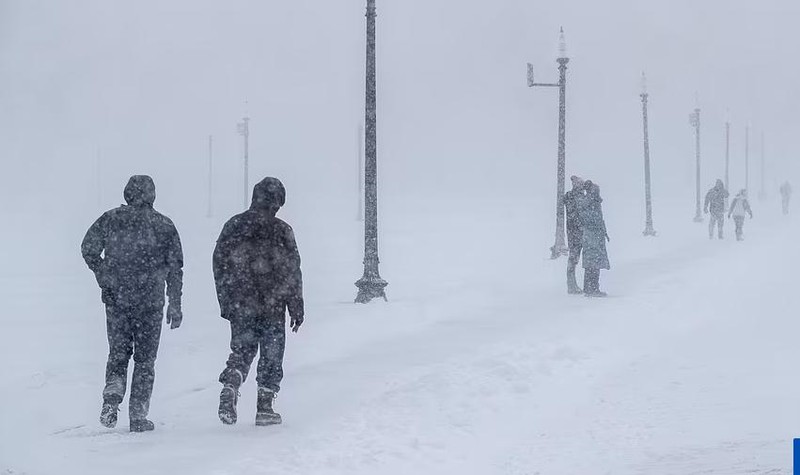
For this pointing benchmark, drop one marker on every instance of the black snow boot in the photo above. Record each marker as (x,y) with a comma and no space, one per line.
(228,398)
(108,415)
(265,415)
(142,425)
(572,284)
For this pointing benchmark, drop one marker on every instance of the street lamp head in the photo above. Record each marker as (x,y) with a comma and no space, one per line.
(562,44)
(531,82)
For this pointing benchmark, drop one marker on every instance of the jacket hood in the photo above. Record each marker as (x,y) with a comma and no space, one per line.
(719,185)
(268,194)
(140,191)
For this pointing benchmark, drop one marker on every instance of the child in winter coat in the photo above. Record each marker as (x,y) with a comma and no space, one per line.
(739,207)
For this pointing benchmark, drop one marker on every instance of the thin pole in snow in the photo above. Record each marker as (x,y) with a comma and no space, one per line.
(210,176)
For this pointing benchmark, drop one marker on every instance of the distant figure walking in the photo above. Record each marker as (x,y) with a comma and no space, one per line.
(595,255)
(715,204)
(134,251)
(257,273)
(740,206)
(574,232)
(786,196)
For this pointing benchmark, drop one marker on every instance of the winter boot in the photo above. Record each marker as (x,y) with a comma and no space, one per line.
(141,425)
(108,415)
(572,284)
(228,398)
(265,416)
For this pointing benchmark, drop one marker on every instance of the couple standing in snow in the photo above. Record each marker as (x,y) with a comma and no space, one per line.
(135,252)
(715,205)
(586,236)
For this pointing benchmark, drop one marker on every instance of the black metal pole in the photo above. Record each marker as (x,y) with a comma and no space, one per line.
(698,217)
(371,285)
(648,200)
(560,247)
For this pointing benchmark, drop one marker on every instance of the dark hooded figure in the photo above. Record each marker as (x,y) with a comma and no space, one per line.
(715,205)
(134,251)
(574,232)
(595,256)
(257,272)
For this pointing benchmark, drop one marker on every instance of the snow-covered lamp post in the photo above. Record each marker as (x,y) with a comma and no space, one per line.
(244,131)
(762,193)
(727,154)
(648,199)
(694,120)
(371,285)
(559,247)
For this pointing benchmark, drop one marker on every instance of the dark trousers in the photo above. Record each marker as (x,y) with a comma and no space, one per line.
(719,221)
(591,280)
(575,248)
(247,337)
(739,220)
(132,332)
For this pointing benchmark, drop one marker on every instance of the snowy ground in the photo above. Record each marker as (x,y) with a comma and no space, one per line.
(479,364)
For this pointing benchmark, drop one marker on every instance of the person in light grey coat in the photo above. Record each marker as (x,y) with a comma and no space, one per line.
(595,235)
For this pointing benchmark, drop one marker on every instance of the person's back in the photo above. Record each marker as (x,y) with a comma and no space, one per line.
(258,277)
(715,199)
(134,251)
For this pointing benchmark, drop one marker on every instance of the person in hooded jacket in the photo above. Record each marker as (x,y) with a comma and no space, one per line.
(257,274)
(715,204)
(786,196)
(134,251)
(740,206)
(574,232)
(595,235)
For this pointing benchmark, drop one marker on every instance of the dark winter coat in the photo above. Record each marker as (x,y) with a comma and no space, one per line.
(134,250)
(573,220)
(256,261)
(715,199)
(590,212)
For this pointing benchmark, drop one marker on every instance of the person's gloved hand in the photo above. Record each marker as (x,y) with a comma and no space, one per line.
(296,321)
(174,315)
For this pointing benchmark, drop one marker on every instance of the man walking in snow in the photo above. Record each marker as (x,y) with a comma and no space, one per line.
(786,196)
(740,206)
(715,204)
(258,277)
(134,251)
(574,232)
(595,235)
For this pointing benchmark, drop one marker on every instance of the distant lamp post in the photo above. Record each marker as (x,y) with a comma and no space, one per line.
(244,131)
(762,193)
(694,120)
(371,285)
(727,154)
(648,198)
(559,247)
(747,157)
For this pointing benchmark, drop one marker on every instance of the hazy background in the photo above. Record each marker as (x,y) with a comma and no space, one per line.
(94,91)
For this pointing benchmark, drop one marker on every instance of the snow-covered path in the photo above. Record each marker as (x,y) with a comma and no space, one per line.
(686,368)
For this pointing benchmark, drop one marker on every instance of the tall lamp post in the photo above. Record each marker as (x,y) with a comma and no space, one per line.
(210,211)
(559,247)
(747,157)
(371,285)
(648,198)
(694,120)
(244,130)
(762,193)
(727,154)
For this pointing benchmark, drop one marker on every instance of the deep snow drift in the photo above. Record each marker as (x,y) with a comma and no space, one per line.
(480,363)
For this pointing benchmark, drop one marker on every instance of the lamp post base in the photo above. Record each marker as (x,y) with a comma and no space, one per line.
(699,218)
(371,287)
(558,250)
(649,232)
